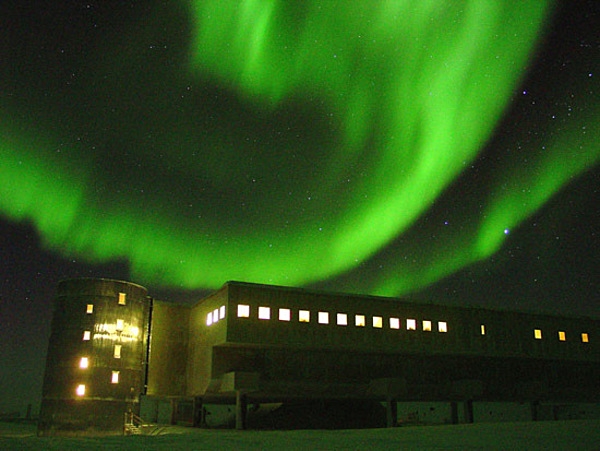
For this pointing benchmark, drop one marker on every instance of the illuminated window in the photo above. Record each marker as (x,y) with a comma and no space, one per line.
(442,326)
(117,352)
(482,329)
(427,326)
(243,311)
(84,363)
(411,324)
(342,319)
(80,390)
(215,315)
(304,316)
(222,312)
(377,322)
(120,325)
(209,318)
(264,312)
(87,335)
(115,377)
(285,314)
(394,323)
(537,334)
(134,331)
(323,318)
(359,320)
(562,336)
(585,338)
(122,297)
(89,309)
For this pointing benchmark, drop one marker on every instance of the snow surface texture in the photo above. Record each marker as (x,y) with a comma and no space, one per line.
(545,435)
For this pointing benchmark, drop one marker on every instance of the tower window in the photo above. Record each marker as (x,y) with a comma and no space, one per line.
(377,322)
(394,323)
(323,318)
(80,390)
(411,324)
(222,312)
(285,314)
(264,312)
(117,352)
(562,336)
(442,326)
(122,298)
(304,316)
(342,319)
(115,377)
(243,311)
(87,335)
(89,309)
(427,326)
(585,338)
(84,363)
(482,328)
(209,318)
(359,320)
(120,325)
(537,334)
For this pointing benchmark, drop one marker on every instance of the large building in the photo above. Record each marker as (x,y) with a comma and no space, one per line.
(115,352)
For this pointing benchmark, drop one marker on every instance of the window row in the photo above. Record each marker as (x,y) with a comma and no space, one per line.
(343,319)
(122,300)
(114,379)
(216,315)
(562,335)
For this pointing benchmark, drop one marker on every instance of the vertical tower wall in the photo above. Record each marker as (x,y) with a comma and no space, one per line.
(95,368)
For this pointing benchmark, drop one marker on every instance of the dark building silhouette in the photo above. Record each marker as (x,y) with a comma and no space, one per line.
(115,351)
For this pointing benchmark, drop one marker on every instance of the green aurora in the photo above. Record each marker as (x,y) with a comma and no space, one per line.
(280,142)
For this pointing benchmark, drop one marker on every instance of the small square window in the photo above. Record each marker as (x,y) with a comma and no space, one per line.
(562,336)
(442,326)
(585,338)
(115,377)
(411,324)
(304,316)
(209,318)
(264,312)
(427,326)
(120,325)
(482,329)
(342,319)
(89,309)
(80,390)
(377,322)
(537,334)
(243,311)
(285,314)
(87,335)
(222,312)
(122,298)
(394,323)
(323,318)
(359,320)
(117,352)
(84,363)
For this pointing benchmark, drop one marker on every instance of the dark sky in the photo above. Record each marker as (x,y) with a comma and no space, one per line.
(83,77)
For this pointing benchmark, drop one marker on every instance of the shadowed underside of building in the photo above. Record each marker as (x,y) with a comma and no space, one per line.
(251,344)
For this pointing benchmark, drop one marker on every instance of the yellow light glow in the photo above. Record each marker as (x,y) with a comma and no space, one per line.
(122,298)
(427,326)
(411,324)
(483,329)
(84,362)
(89,309)
(120,325)
(80,390)
(115,377)
(394,323)
(86,335)
(243,311)
(323,318)
(285,314)
(342,319)
(377,322)
(562,336)
(585,338)
(264,312)
(537,334)
(304,316)
(442,326)
(117,352)
(359,321)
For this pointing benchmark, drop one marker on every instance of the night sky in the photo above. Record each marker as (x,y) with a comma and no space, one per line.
(443,150)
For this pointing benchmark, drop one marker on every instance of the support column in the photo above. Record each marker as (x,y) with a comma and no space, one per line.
(241,409)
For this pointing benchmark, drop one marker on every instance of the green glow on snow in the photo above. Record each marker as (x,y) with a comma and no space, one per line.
(334,127)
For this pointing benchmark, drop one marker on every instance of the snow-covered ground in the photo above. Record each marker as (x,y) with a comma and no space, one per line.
(544,435)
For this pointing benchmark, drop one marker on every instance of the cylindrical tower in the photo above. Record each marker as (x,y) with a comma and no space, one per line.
(95,368)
